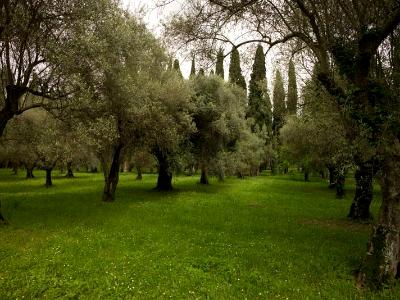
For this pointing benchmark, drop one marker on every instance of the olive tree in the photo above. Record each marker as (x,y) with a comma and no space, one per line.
(218,112)
(339,34)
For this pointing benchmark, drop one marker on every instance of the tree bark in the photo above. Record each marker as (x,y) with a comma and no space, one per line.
(2,220)
(340,181)
(49,182)
(139,173)
(111,176)
(164,181)
(29,172)
(204,175)
(360,208)
(306,175)
(70,173)
(382,262)
(332,177)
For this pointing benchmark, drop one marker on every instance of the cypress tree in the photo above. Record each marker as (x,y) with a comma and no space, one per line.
(193,68)
(235,72)
(177,68)
(279,103)
(219,70)
(259,102)
(292,90)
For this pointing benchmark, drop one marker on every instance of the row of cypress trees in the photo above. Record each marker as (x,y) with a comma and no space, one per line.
(266,116)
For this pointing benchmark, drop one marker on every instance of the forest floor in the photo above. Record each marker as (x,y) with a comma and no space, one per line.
(259,238)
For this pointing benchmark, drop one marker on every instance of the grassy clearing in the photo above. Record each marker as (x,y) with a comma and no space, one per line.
(259,238)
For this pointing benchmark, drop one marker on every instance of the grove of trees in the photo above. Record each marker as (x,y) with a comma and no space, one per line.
(85,85)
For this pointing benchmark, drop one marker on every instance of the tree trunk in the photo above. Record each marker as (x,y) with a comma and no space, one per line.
(221,174)
(204,175)
(359,209)
(2,220)
(139,173)
(111,177)
(70,173)
(306,175)
(29,172)
(15,169)
(49,182)
(164,181)
(382,262)
(332,177)
(340,181)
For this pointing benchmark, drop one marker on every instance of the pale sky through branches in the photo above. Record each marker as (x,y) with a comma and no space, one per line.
(154,17)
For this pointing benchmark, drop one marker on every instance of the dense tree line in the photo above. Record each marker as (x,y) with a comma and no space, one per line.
(126,101)
(355,45)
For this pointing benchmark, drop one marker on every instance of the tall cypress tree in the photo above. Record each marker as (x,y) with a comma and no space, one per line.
(292,90)
(193,68)
(219,70)
(259,102)
(235,72)
(279,103)
(177,68)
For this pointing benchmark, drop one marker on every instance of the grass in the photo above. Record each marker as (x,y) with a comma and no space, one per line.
(258,238)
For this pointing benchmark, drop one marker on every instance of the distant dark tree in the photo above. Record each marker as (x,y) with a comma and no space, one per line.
(292,90)
(219,70)
(259,103)
(193,68)
(202,72)
(279,103)
(235,72)
(177,67)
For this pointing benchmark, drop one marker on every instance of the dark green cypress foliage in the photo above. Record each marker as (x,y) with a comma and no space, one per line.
(202,72)
(235,72)
(259,102)
(219,70)
(292,90)
(177,68)
(170,63)
(279,111)
(193,68)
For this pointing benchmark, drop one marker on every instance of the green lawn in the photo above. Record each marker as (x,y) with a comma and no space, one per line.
(259,238)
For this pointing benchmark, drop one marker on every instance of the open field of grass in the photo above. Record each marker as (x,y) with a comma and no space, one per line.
(258,238)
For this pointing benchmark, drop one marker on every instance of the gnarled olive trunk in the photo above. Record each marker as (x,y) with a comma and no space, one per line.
(9,110)
(340,181)
(2,220)
(306,174)
(332,177)
(164,180)
(49,181)
(204,175)
(29,172)
(70,173)
(382,262)
(139,173)
(360,207)
(111,175)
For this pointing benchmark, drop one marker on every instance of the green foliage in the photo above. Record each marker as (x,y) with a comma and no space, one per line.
(292,97)
(316,139)
(219,242)
(279,105)
(218,113)
(193,68)
(219,69)
(259,103)
(235,72)
(177,68)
